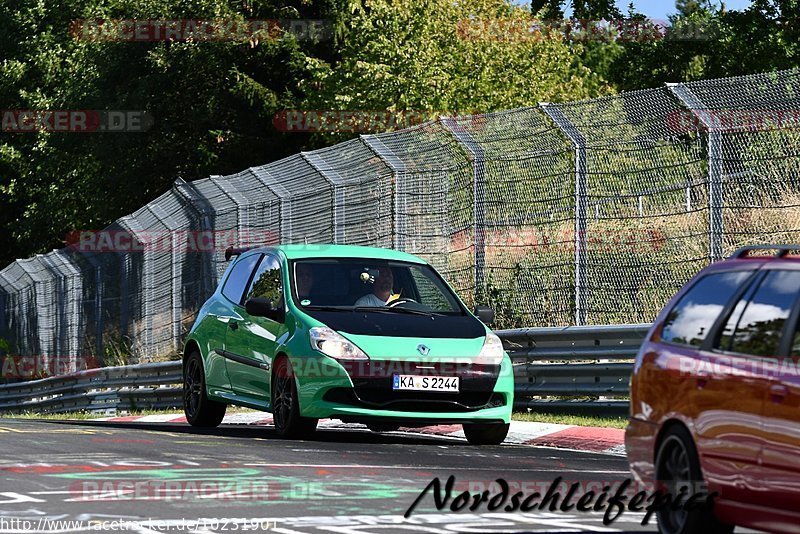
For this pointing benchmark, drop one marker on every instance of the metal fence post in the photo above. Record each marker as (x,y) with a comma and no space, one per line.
(711,124)
(398,168)
(175,265)
(327,172)
(274,185)
(204,211)
(242,205)
(581,205)
(471,145)
(130,224)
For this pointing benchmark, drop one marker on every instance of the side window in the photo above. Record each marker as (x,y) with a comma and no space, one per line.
(267,282)
(695,313)
(758,326)
(238,278)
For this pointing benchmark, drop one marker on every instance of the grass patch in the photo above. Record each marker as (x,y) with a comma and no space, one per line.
(609,421)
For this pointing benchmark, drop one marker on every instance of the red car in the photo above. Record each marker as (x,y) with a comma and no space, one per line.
(715,395)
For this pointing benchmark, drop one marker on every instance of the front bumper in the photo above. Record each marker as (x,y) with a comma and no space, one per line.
(363,391)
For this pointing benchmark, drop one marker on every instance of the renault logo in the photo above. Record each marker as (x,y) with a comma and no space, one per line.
(423,349)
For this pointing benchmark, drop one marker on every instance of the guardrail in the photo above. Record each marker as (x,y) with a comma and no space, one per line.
(573,369)
(577,368)
(131,387)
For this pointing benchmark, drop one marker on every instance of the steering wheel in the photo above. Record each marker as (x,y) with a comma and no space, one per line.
(401,301)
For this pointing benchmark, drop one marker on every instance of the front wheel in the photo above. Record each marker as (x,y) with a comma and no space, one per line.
(286,404)
(486,433)
(200,411)
(678,466)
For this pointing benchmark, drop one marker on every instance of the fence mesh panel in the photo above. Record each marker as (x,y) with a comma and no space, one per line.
(646,229)
(575,213)
(757,119)
(528,217)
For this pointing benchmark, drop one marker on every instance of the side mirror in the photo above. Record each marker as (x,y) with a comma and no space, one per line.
(485,314)
(261,307)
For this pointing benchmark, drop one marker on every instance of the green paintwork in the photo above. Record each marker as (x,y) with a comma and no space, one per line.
(261,340)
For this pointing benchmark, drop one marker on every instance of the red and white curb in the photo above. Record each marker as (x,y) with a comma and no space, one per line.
(580,438)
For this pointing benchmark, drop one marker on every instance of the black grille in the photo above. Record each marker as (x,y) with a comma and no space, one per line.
(372,382)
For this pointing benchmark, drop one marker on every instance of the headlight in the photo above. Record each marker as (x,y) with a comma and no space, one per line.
(492,352)
(335,345)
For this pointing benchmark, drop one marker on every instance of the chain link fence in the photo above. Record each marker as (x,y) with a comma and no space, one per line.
(590,212)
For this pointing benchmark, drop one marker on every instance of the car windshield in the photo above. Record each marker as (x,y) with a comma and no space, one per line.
(376,285)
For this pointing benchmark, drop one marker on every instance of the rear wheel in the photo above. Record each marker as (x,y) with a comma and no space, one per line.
(486,433)
(199,409)
(286,406)
(678,466)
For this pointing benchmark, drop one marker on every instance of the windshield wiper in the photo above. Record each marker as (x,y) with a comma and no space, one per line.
(389,309)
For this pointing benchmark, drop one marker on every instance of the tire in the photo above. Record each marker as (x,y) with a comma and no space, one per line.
(486,433)
(677,464)
(285,406)
(200,411)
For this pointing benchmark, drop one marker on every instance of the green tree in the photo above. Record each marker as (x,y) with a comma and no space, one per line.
(454,57)
(212,104)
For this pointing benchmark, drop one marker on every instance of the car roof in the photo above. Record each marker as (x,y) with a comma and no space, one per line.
(296,252)
(753,262)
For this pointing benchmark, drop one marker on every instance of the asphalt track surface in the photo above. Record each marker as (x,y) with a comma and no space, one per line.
(137,477)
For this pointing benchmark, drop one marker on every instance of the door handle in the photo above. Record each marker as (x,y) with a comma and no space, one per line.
(233,325)
(778,393)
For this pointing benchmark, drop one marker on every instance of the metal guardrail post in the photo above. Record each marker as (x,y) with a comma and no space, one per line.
(712,126)
(336,181)
(398,168)
(581,205)
(471,145)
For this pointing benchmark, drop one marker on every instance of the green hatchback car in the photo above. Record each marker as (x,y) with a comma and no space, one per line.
(359,334)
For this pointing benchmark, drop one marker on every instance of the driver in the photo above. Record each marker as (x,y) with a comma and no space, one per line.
(381,289)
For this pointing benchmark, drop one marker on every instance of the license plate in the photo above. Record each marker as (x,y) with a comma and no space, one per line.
(425,383)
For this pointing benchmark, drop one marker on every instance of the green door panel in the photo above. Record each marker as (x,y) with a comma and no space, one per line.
(214,328)
(253,341)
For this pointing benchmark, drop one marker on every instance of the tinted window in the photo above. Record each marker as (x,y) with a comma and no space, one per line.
(756,325)
(692,317)
(238,278)
(267,282)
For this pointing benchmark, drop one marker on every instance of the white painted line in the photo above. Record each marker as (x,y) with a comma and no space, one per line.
(434,468)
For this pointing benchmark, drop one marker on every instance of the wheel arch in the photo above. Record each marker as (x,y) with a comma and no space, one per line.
(665,428)
(190,345)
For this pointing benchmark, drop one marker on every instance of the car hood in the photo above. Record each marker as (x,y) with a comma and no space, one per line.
(411,349)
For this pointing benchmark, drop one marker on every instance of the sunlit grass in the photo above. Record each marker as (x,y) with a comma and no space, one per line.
(578,420)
